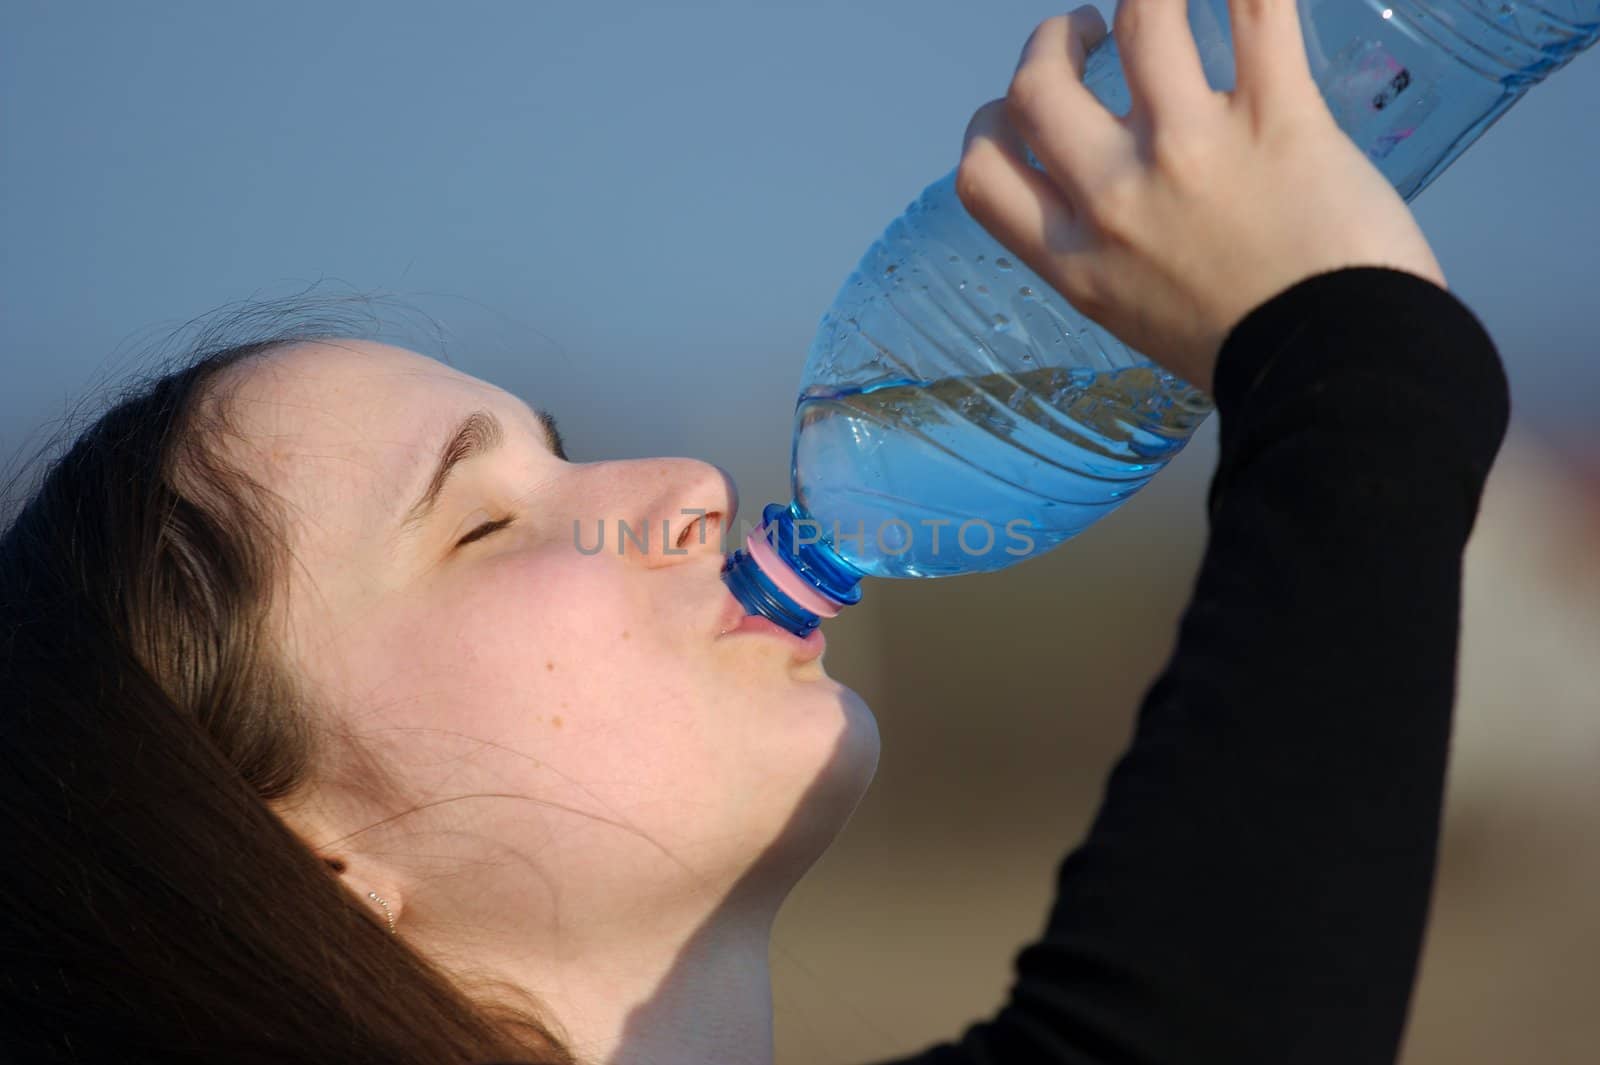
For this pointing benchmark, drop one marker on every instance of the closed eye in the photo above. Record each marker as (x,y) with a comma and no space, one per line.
(483,530)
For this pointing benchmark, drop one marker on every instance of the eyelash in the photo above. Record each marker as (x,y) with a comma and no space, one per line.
(484,530)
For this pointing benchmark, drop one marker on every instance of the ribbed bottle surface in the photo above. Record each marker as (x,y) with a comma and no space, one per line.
(959,416)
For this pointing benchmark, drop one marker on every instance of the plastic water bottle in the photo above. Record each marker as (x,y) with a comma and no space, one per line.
(957,415)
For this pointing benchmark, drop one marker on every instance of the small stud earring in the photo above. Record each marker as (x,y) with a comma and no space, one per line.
(373,895)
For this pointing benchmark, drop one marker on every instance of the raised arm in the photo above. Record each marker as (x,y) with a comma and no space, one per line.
(1255,885)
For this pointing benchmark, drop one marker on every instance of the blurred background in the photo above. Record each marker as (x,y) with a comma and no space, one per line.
(634,214)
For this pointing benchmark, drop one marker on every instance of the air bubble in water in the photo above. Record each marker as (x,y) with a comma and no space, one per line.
(1003,263)
(1001,320)
(1026,292)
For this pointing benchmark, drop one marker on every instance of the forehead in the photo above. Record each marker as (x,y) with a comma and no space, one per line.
(315,387)
(341,429)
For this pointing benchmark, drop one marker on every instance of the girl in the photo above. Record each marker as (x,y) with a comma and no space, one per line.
(322,743)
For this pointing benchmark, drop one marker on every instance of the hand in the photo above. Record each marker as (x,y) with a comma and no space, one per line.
(1169,225)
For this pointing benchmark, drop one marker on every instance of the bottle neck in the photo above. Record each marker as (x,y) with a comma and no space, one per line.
(788,575)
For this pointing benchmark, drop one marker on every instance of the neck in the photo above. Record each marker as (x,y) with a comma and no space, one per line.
(708,1002)
(696,994)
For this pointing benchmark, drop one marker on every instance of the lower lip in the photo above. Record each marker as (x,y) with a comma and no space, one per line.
(806,647)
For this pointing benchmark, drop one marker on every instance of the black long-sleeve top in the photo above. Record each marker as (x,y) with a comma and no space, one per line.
(1255,885)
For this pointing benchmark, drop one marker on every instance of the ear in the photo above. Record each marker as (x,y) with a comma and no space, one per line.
(369,880)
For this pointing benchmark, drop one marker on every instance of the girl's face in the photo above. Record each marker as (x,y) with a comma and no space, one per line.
(575,729)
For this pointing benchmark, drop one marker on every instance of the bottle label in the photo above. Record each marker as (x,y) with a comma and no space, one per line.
(1407,120)
(1378,101)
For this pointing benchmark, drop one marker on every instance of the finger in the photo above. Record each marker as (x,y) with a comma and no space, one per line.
(991,123)
(1020,207)
(1160,61)
(1073,135)
(1272,75)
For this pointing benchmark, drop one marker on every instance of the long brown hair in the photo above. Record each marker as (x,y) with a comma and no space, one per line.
(153,907)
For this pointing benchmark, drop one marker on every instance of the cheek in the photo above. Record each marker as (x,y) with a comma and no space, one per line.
(555,659)
(513,630)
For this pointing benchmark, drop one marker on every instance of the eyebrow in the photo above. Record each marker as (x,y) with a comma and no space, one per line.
(477,434)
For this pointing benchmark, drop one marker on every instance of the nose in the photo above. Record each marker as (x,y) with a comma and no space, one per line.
(681,508)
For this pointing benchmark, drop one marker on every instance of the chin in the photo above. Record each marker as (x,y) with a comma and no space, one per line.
(829,771)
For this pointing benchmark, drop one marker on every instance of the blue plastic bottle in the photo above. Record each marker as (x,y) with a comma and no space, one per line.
(957,415)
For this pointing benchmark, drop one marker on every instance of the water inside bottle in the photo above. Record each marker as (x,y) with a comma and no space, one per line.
(966,474)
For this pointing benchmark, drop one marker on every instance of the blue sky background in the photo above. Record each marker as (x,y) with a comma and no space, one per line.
(632,213)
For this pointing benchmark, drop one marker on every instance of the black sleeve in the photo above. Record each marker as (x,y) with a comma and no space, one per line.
(1255,885)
